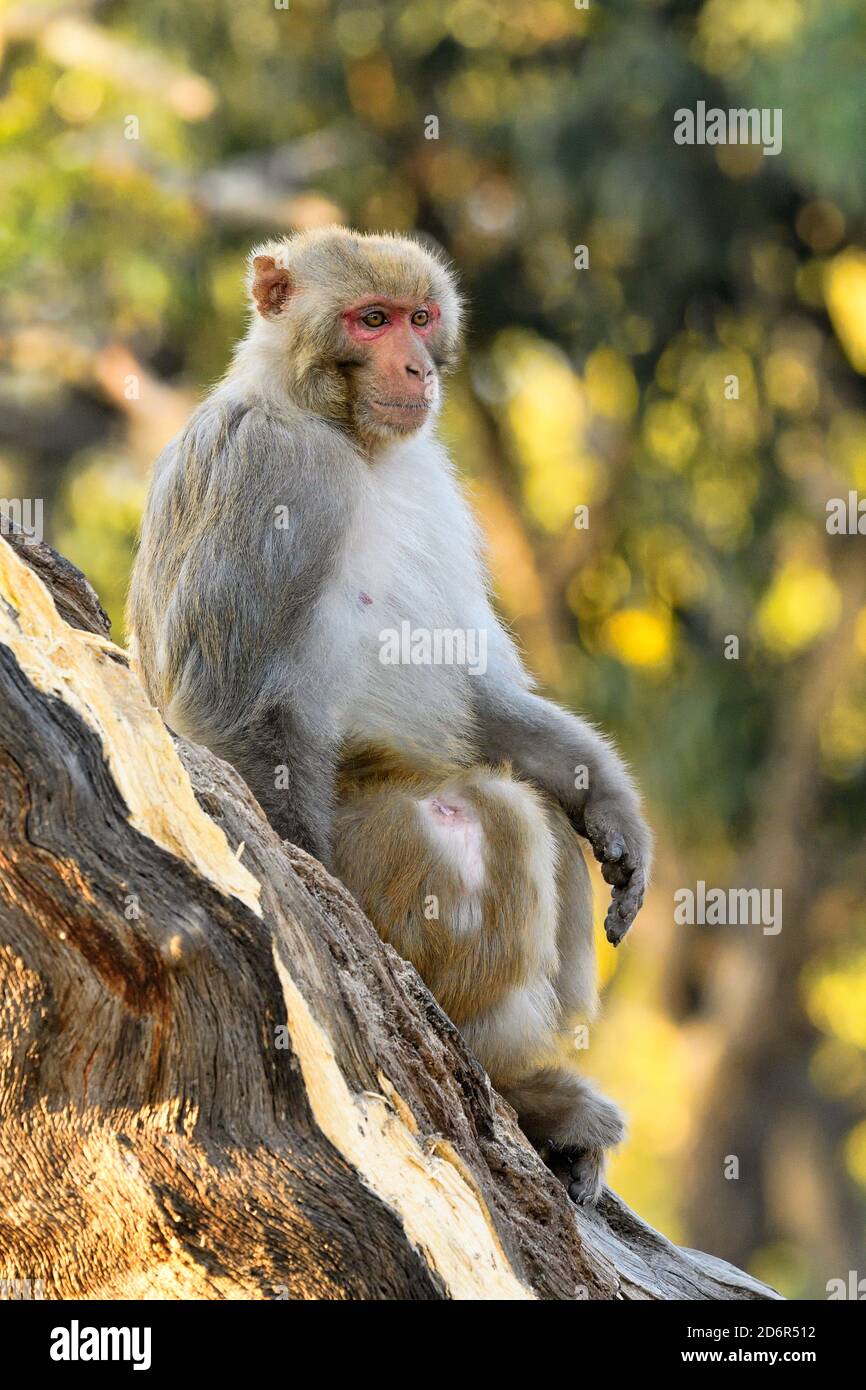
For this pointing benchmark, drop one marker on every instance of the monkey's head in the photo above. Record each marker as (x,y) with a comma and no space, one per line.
(359,328)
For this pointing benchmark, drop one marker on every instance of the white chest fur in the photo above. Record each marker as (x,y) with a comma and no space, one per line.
(409,605)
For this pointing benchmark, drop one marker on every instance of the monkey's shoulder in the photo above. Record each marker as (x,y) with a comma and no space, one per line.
(254,426)
(240,452)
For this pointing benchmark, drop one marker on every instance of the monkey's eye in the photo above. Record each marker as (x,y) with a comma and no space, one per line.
(421,318)
(374,319)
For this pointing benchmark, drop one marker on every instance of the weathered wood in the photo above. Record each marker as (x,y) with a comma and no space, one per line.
(75,598)
(158,943)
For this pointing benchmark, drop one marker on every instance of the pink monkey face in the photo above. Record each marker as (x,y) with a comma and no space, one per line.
(394,335)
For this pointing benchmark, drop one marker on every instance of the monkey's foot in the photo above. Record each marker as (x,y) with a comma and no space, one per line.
(587,1177)
(581,1171)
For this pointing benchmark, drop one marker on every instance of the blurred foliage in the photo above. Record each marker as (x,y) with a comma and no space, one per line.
(146,148)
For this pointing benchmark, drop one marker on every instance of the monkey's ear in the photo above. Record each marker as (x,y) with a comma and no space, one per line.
(271,287)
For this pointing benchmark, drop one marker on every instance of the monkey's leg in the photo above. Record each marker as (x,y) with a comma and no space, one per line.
(481,883)
(576,978)
(528,1037)
(456,869)
(556,1105)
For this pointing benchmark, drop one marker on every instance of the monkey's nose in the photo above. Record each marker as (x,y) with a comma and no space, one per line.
(422,373)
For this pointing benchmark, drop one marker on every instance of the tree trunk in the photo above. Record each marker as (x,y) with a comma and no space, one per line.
(215,1080)
(761,1104)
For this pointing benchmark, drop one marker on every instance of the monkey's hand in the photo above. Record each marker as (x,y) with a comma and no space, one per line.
(621,843)
(547,745)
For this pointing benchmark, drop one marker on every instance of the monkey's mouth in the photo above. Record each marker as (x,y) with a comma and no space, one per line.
(404,414)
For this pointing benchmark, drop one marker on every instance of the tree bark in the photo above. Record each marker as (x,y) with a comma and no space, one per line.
(215,1080)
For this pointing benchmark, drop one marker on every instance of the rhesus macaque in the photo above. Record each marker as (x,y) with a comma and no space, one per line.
(306,514)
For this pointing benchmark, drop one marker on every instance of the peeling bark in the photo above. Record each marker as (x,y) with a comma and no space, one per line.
(215,1080)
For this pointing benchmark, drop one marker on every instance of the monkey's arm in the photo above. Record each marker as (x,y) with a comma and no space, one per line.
(237,548)
(289,761)
(579,768)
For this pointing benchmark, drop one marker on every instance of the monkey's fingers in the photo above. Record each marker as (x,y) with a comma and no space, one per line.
(618,863)
(622,867)
(617,875)
(625,904)
(609,845)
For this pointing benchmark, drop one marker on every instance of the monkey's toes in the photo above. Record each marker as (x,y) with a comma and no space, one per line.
(587,1177)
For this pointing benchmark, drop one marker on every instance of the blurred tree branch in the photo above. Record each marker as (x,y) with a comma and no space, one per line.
(759,1097)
